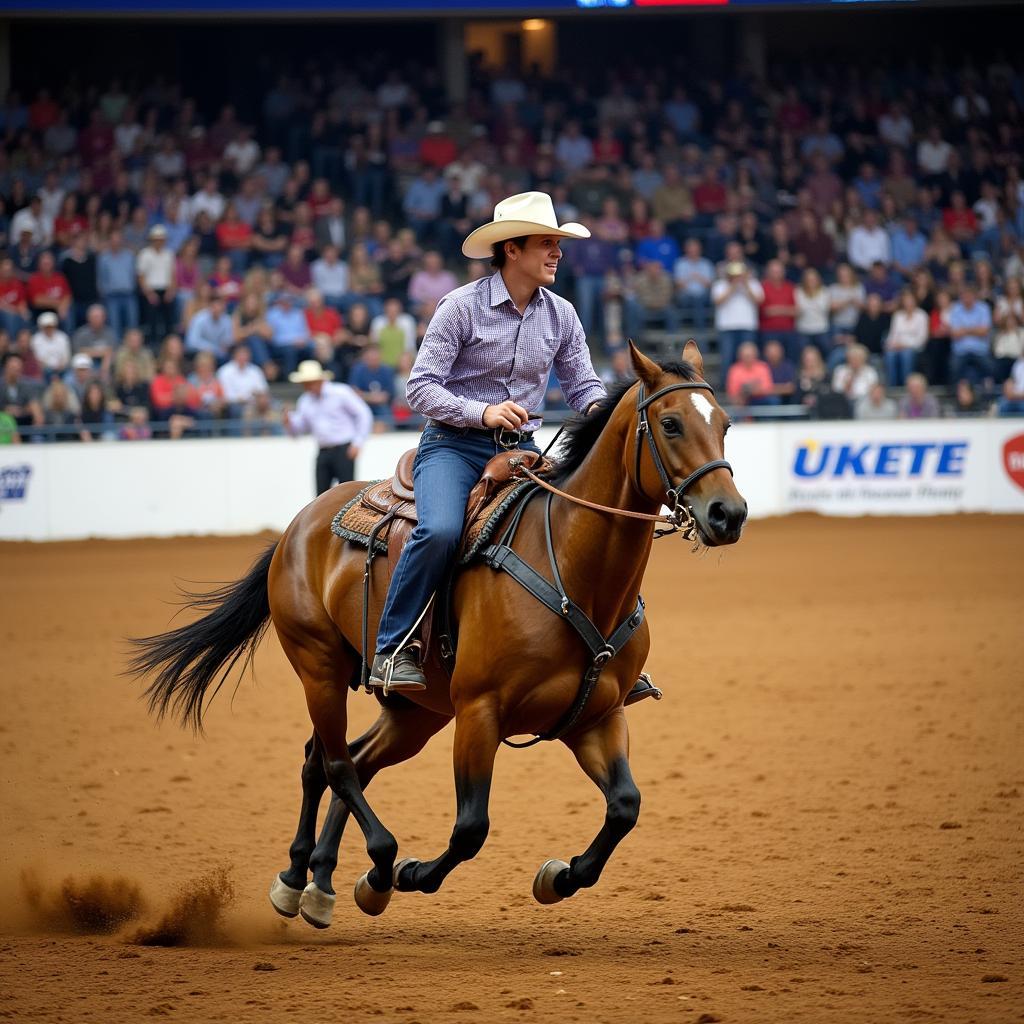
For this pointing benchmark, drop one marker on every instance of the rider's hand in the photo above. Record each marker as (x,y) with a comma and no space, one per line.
(508,415)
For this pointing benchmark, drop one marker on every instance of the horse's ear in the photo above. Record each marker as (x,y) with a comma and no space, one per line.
(646,369)
(692,355)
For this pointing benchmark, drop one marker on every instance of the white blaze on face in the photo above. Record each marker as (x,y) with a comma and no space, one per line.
(703,406)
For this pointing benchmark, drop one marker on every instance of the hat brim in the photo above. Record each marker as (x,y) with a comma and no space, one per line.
(477,245)
(302,378)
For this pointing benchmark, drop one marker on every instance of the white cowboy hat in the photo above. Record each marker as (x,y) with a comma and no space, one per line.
(529,213)
(310,370)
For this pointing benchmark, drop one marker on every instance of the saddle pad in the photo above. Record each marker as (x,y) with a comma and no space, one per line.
(355,521)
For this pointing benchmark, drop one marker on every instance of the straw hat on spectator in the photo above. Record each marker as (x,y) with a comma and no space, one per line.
(158,231)
(309,371)
(48,320)
(529,213)
(81,362)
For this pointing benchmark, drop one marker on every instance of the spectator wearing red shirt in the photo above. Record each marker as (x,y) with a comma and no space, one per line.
(234,237)
(226,284)
(323,319)
(13,299)
(69,222)
(749,381)
(48,288)
(709,196)
(778,311)
(320,197)
(165,387)
(43,112)
(96,140)
(793,114)
(437,149)
(295,270)
(607,148)
(959,219)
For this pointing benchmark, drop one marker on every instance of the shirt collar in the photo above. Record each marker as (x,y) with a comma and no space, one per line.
(499,292)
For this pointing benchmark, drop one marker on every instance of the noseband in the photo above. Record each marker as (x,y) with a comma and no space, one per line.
(681,517)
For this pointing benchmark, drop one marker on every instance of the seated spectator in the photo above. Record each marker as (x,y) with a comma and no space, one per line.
(323,319)
(881,283)
(871,331)
(51,346)
(966,401)
(95,418)
(211,330)
(778,311)
(393,332)
(1008,345)
(749,381)
(240,380)
(48,290)
(375,384)
(869,243)
(812,312)
(365,284)
(135,352)
(14,313)
(80,376)
(782,370)
(19,397)
(908,247)
(855,377)
(1012,401)
(225,282)
(908,335)
(422,202)
(234,238)
(206,392)
(652,294)
(656,245)
(264,416)
(846,300)
(289,333)
(430,284)
(875,405)
(917,403)
(61,409)
(693,275)
(959,219)
(330,277)
(137,428)
(251,328)
(165,388)
(95,339)
(295,271)
(737,295)
(130,391)
(970,324)
(269,239)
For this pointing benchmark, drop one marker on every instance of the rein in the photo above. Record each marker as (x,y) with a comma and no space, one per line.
(680,517)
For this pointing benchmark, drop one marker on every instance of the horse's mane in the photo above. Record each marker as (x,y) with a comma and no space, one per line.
(581,432)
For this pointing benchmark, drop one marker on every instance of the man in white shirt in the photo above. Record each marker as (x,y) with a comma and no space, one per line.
(207,200)
(156,269)
(240,380)
(336,416)
(51,346)
(736,297)
(869,243)
(31,219)
(330,277)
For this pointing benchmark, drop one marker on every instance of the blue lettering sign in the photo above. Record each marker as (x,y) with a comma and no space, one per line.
(14,482)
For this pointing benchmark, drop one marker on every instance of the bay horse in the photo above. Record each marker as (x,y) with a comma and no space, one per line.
(517,665)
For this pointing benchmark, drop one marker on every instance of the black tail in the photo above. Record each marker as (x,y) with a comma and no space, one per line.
(188,659)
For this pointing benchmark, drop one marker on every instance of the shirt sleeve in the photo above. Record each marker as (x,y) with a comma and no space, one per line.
(299,419)
(574,370)
(425,392)
(361,413)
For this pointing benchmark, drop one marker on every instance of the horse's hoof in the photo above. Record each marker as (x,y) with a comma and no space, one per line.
(368,900)
(316,906)
(284,899)
(397,875)
(544,884)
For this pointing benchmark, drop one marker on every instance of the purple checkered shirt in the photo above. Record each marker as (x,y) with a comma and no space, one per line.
(478,351)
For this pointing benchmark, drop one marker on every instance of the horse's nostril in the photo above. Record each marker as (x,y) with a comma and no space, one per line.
(717,517)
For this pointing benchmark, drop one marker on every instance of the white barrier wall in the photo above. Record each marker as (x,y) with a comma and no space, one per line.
(163,488)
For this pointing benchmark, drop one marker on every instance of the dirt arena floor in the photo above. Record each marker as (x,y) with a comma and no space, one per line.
(832,827)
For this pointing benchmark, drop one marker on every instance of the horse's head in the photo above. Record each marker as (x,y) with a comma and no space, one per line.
(685,432)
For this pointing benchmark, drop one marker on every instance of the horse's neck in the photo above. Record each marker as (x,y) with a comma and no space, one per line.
(602,557)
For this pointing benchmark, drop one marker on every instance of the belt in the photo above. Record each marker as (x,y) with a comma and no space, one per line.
(501,436)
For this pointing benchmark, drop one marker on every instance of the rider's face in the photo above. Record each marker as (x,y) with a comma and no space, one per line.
(538,259)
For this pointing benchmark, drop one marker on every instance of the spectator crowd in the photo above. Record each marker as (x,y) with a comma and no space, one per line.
(848,242)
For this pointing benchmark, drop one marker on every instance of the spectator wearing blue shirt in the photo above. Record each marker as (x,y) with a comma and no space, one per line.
(211,330)
(656,245)
(422,202)
(289,338)
(590,259)
(970,326)
(880,282)
(115,279)
(908,245)
(374,382)
(868,186)
(694,276)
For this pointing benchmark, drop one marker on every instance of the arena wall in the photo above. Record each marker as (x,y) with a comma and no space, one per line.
(164,488)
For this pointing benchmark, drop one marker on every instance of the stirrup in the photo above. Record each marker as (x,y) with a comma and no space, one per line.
(644,687)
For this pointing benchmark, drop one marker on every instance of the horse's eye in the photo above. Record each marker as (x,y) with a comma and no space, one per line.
(670,425)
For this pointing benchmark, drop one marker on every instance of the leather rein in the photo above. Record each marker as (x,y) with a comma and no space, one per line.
(680,517)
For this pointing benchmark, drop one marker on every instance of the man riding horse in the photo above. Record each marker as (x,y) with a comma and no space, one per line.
(484,363)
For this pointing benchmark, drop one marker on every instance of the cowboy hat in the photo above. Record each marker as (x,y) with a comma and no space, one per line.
(529,213)
(310,370)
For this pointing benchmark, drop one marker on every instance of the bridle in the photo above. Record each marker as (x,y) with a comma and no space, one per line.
(680,517)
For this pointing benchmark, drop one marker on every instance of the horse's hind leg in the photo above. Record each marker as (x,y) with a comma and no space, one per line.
(286,889)
(603,753)
(401,731)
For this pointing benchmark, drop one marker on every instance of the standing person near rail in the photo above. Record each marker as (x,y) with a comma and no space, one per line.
(483,366)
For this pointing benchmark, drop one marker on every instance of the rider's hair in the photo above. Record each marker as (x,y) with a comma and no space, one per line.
(498,255)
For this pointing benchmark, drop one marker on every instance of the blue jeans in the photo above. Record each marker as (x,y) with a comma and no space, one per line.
(696,308)
(448,464)
(728,343)
(899,364)
(588,300)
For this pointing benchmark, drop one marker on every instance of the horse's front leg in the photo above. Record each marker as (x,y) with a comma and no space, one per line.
(603,753)
(476,743)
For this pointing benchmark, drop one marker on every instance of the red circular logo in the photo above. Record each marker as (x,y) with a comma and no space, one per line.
(1013,459)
